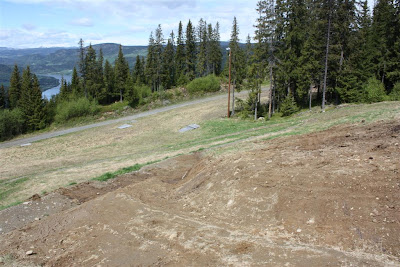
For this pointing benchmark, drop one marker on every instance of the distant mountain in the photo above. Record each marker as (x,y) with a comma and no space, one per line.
(62,60)
(45,81)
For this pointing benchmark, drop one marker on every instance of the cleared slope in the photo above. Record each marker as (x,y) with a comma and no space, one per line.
(330,198)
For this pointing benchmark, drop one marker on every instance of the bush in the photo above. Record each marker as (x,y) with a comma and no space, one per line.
(395,94)
(288,106)
(374,91)
(206,84)
(11,123)
(80,107)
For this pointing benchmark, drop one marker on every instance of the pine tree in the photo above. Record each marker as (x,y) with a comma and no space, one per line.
(158,49)
(31,103)
(138,71)
(82,66)
(14,92)
(180,55)
(202,41)
(75,86)
(151,68)
(168,63)
(237,64)
(91,72)
(190,52)
(215,53)
(109,82)
(121,71)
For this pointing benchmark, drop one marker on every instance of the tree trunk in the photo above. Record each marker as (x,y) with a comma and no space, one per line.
(310,97)
(233,97)
(326,59)
(270,93)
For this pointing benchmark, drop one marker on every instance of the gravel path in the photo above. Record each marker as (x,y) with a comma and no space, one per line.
(43,136)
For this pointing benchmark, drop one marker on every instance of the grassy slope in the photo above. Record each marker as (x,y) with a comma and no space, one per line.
(106,152)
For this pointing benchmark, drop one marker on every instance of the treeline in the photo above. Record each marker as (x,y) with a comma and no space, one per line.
(334,47)
(170,62)
(26,109)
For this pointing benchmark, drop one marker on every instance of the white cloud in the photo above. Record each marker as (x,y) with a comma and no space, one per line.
(85,22)
(28,26)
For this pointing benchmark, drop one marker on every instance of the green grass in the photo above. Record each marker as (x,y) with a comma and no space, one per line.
(8,187)
(111,175)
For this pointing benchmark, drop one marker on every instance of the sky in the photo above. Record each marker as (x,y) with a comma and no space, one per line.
(61,23)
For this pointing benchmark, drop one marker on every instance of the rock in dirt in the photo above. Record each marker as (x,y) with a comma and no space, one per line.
(29,252)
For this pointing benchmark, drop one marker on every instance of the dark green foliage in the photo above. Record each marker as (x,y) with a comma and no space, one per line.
(121,71)
(288,106)
(206,84)
(68,110)
(374,91)
(3,97)
(14,92)
(395,94)
(190,52)
(168,64)
(31,102)
(11,123)
(180,54)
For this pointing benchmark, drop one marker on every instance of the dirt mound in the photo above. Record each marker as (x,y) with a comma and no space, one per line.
(325,199)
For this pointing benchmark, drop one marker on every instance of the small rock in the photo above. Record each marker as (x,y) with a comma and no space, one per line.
(37,219)
(371,158)
(362,121)
(98,193)
(29,252)
(26,203)
(298,230)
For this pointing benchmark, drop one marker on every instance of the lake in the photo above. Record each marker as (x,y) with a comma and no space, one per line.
(55,90)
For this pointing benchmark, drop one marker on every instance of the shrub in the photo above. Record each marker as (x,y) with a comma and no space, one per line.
(80,107)
(288,106)
(395,94)
(11,123)
(374,91)
(209,83)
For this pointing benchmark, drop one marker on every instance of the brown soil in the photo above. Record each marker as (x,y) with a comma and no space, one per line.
(324,199)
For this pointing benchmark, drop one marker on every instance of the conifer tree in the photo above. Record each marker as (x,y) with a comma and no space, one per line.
(109,82)
(215,53)
(14,92)
(180,55)
(190,52)
(75,86)
(138,71)
(158,49)
(121,71)
(202,41)
(237,64)
(31,103)
(82,67)
(168,63)
(151,68)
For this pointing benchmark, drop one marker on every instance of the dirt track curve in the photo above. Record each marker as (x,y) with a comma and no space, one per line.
(324,199)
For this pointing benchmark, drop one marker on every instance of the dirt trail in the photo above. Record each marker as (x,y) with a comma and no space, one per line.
(325,199)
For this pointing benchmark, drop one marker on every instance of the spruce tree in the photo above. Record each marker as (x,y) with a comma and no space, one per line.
(168,63)
(31,103)
(215,53)
(109,82)
(158,49)
(138,71)
(14,92)
(82,66)
(121,71)
(180,55)
(151,64)
(190,52)
(237,65)
(91,72)
(75,86)
(202,41)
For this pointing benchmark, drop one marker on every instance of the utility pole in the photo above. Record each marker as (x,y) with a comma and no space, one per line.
(229,86)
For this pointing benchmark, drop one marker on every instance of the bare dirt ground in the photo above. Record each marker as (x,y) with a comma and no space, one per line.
(330,198)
